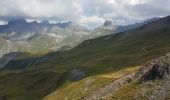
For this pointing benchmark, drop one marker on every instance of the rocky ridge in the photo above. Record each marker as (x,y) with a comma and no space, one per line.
(146,76)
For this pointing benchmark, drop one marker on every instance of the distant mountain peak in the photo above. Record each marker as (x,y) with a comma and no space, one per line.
(16,21)
(34,22)
(107,23)
(64,24)
(45,22)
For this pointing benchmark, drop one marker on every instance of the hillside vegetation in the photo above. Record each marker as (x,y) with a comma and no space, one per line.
(33,78)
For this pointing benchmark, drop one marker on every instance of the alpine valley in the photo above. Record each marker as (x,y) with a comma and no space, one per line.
(67,61)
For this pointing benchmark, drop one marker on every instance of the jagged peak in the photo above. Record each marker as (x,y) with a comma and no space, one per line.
(16,21)
(107,23)
(45,22)
(34,22)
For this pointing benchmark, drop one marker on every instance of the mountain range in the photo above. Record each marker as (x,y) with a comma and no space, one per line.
(106,67)
(22,36)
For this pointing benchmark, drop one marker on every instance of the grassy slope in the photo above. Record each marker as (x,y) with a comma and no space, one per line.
(27,85)
(106,54)
(100,55)
(86,86)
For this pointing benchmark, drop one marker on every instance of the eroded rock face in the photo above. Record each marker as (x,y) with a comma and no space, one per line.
(158,69)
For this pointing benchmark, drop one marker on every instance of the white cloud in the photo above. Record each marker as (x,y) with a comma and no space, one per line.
(87,12)
(2,22)
(136,2)
(111,1)
(91,21)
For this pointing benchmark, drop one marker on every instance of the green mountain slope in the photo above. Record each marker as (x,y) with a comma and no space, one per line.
(111,53)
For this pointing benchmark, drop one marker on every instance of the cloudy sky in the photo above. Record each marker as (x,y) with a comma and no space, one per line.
(90,13)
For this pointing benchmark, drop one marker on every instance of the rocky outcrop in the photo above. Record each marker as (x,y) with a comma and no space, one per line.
(156,69)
